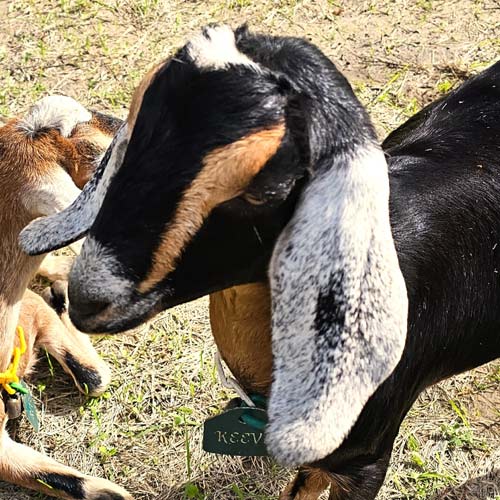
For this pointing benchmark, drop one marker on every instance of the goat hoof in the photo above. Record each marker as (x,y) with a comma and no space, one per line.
(71,486)
(90,379)
(101,489)
(56,296)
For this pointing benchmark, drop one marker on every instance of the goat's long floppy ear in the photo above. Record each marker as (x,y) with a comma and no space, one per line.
(339,299)
(50,233)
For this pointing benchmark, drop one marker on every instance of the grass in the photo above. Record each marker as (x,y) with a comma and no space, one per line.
(145,431)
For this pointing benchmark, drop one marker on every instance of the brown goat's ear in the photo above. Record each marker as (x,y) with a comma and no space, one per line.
(49,233)
(83,151)
(84,148)
(339,306)
(73,161)
(81,171)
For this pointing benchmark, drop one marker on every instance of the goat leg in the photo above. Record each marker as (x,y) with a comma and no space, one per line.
(357,479)
(71,348)
(56,267)
(26,467)
(308,484)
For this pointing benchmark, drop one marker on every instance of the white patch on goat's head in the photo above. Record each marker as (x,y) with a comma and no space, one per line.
(339,309)
(55,111)
(215,48)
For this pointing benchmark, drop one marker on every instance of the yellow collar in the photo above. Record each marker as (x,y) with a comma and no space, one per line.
(10,376)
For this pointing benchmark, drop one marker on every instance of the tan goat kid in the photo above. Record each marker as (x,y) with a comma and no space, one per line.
(44,159)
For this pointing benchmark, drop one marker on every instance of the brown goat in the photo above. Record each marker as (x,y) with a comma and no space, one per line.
(44,159)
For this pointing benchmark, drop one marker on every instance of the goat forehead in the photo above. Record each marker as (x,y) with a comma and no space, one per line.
(214,48)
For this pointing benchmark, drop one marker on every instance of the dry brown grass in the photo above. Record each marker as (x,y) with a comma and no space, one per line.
(145,432)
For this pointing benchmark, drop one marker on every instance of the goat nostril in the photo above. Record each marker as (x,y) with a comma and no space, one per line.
(94,307)
(84,306)
(85,313)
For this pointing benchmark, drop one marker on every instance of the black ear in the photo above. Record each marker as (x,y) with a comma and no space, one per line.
(50,233)
(339,303)
(289,166)
(242,31)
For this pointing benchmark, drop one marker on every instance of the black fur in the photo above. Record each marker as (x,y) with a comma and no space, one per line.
(444,168)
(57,298)
(330,311)
(445,197)
(109,495)
(71,485)
(74,486)
(86,377)
(186,113)
(107,123)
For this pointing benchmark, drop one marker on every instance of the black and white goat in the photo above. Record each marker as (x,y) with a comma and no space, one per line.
(248,159)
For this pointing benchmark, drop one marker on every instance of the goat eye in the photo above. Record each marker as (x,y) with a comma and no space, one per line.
(253,199)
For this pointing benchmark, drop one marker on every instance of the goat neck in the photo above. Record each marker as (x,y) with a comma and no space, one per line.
(16,268)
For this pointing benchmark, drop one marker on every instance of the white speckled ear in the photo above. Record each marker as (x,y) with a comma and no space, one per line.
(339,308)
(49,233)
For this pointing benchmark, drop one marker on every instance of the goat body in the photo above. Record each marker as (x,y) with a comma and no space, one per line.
(42,157)
(444,170)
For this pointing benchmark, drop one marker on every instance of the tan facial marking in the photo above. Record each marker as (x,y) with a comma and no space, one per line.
(136,103)
(226,173)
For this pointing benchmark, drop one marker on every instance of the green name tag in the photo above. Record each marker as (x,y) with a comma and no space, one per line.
(237,431)
(30,408)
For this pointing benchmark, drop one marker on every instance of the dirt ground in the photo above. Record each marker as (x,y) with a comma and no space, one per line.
(145,432)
